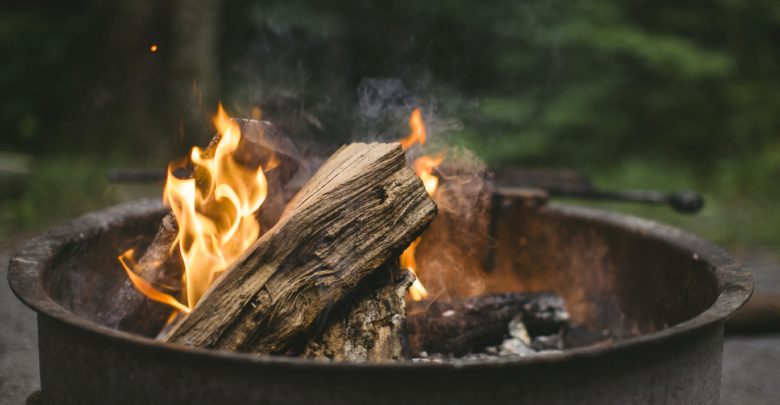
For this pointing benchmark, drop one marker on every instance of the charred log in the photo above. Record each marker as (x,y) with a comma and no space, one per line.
(470,324)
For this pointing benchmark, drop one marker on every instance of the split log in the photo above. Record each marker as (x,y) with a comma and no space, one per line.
(470,324)
(363,207)
(371,325)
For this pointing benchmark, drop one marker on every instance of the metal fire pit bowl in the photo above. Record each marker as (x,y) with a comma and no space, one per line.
(664,293)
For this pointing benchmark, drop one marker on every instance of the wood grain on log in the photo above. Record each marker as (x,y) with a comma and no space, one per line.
(370,325)
(471,324)
(363,207)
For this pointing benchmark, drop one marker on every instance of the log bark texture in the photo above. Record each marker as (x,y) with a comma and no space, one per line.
(370,325)
(467,325)
(363,207)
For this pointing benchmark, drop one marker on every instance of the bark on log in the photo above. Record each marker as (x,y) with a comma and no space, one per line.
(363,207)
(370,325)
(470,324)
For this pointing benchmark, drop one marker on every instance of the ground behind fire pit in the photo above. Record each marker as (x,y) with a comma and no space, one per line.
(751,365)
(18,343)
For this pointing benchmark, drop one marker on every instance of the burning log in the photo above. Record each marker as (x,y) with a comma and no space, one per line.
(464,325)
(369,326)
(157,266)
(261,144)
(362,208)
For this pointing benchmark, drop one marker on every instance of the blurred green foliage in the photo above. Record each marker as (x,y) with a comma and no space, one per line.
(55,190)
(653,94)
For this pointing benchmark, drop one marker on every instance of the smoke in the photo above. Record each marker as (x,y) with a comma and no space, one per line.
(383,109)
(453,251)
(451,254)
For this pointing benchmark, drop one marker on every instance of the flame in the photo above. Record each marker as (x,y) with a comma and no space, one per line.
(215,210)
(424,167)
(418,130)
(128,262)
(153,48)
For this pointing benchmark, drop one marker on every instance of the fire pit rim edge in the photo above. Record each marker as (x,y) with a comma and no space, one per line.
(27,264)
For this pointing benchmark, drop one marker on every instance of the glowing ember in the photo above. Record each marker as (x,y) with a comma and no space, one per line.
(153,48)
(215,211)
(423,166)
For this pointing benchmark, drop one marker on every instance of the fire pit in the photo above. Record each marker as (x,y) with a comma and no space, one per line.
(663,293)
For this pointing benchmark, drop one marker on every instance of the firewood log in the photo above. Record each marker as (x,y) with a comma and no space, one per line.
(161,265)
(470,324)
(362,208)
(370,325)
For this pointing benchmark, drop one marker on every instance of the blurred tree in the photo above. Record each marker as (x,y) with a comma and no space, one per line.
(596,85)
(83,77)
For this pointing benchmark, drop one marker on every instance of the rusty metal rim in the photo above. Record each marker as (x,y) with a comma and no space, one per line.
(26,268)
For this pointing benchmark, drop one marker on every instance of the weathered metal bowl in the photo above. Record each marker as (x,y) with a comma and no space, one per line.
(664,292)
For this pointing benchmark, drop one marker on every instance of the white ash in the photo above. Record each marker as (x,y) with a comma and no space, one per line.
(518,331)
(518,344)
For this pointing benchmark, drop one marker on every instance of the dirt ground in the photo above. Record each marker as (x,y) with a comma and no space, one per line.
(751,367)
(18,344)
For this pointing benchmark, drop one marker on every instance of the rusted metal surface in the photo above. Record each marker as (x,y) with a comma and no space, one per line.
(665,292)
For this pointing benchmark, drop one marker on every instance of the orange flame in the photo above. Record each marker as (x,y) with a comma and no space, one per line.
(215,211)
(418,130)
(424,167)
(128,262)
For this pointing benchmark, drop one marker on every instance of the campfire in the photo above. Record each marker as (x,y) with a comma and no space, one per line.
(357,266)
(527,300)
